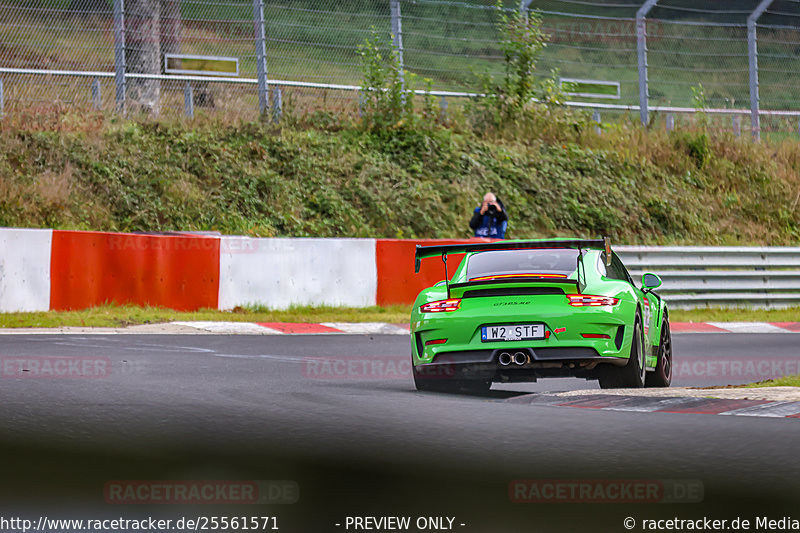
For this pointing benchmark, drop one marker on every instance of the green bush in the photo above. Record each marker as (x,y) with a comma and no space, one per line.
(516,101)
(384,100)
(696,145)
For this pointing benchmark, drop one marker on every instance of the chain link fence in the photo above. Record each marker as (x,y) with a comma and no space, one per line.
(242,56)
(51,36)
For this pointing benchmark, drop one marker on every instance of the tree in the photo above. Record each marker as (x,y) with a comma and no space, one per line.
(153,28)
(143,52)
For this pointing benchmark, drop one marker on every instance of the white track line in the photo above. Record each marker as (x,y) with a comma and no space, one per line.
(748,327)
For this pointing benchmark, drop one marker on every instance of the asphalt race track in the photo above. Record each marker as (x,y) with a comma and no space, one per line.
(359,440)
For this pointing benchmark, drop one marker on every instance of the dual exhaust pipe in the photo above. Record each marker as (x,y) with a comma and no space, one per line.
(519,358)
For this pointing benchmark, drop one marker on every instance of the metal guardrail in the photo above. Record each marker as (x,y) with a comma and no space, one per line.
(701,276)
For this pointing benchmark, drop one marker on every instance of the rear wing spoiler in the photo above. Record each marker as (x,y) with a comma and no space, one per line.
(423,252)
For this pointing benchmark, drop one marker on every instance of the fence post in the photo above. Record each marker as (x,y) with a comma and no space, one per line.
(641,49)
(752,54)
(596,120)
(119,53)
(737,125)
(2,100)
(397,36)
(277,105)
(97,99)
(261,56)
(670,122)
(442,108)
(188,100)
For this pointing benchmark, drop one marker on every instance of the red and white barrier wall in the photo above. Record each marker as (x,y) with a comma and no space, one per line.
(25,269)
(44,270)
(88,269)
(279,273)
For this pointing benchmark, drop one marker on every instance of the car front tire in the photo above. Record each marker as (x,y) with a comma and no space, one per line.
(662,377)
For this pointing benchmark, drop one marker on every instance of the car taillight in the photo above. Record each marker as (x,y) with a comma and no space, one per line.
(440,306)
(588,300)
(595,336)
(435,341)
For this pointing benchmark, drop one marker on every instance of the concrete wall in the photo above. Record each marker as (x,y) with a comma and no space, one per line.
(25,269)
(59,270)
(278,273)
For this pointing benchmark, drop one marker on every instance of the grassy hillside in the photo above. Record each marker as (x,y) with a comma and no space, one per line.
(322,175)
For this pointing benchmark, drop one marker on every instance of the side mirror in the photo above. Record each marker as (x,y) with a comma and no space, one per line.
(650,282)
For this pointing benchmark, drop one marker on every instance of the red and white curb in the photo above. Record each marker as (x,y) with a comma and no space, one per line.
(735,327)
(692,405)
(383,328)
(298,328)
(355,328)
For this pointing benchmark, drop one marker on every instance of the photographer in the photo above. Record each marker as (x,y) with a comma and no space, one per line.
(490,218)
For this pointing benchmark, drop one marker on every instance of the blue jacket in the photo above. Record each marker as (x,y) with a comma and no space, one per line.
(491,225)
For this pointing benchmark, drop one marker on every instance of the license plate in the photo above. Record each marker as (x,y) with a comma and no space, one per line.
(514,332)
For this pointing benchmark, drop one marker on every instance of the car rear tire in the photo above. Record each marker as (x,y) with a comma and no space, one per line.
(632,375)
(662,377)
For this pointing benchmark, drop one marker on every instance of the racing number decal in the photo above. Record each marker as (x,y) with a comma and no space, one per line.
(646,316)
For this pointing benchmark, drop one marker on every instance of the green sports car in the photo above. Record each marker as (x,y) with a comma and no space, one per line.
(522,310)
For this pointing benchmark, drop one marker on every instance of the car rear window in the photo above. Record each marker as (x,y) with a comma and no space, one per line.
(543,261)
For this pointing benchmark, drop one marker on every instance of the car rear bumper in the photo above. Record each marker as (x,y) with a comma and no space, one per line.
(579,362)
